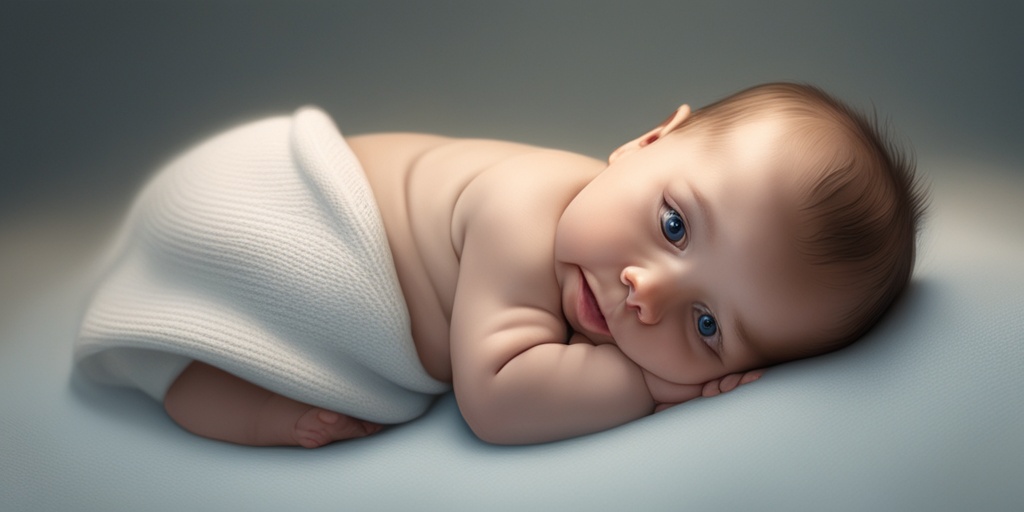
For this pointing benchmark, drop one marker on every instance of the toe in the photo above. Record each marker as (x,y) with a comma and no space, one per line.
(310,441)
(371,428)
(328,417)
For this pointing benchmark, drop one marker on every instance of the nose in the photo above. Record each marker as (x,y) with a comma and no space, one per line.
(649,293)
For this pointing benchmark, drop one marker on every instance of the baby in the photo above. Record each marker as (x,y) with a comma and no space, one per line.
(561,295)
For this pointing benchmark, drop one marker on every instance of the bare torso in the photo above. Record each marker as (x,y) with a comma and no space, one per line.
(418,181)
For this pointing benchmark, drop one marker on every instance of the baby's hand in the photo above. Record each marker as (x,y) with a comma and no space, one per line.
(730,382)
(667,394)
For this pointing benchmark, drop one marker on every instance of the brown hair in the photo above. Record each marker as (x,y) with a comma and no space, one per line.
(862,208)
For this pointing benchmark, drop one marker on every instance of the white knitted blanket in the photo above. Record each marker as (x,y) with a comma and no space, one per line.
(261,252)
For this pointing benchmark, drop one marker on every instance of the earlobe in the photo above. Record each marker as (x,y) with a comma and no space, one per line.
(666,127)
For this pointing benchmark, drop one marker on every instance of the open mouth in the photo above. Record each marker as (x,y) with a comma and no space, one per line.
(588,310)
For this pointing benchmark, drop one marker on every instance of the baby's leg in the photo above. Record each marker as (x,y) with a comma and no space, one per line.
(213,403)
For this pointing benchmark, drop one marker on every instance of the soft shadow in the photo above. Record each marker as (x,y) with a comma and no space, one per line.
(119,404)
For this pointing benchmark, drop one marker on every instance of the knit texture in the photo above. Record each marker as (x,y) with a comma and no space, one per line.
(261,252)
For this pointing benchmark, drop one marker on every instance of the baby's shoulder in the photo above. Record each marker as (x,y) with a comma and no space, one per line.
(527,178)
(527,189)
(503,233)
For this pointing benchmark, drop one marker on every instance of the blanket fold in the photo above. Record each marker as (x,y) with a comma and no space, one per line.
(261,252)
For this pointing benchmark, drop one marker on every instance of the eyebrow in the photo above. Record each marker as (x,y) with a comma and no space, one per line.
(705,213)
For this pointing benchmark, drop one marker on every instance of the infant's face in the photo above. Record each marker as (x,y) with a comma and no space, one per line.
(680,254)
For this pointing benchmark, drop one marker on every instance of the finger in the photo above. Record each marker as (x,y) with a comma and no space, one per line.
(711,389)
(729,382)
(751,376)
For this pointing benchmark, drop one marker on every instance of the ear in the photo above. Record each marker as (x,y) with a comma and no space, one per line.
(666,127)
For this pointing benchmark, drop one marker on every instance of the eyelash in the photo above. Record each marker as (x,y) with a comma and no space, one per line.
(714,341)
(666,211)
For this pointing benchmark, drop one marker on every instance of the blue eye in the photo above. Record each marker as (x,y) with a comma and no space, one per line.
(706,325)
(672,225)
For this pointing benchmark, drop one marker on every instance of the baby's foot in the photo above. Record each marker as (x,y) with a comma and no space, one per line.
(318,427)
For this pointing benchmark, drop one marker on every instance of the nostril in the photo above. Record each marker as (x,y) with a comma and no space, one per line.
(628,280)
(642,316)
(637,308)
(634,304)
(630,303)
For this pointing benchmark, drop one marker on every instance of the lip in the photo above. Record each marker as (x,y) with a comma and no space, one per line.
(588,310)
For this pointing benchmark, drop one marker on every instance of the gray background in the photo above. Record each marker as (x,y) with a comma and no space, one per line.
(96,95)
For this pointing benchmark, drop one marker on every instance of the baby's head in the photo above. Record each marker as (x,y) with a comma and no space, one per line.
(858,203)
(786,225)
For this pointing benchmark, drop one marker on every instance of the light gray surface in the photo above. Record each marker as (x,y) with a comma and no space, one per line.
(923,414)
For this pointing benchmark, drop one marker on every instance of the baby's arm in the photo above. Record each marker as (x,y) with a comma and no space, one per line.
(213,403)
(516,382)
(515,379)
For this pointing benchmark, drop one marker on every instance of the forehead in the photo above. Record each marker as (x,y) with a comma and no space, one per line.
(762,159)
(779,138)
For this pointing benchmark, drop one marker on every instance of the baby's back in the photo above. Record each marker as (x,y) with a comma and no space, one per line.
(419,180)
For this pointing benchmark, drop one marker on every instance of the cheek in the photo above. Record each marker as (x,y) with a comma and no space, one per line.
(585,226)
(663,351)
(569,235)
